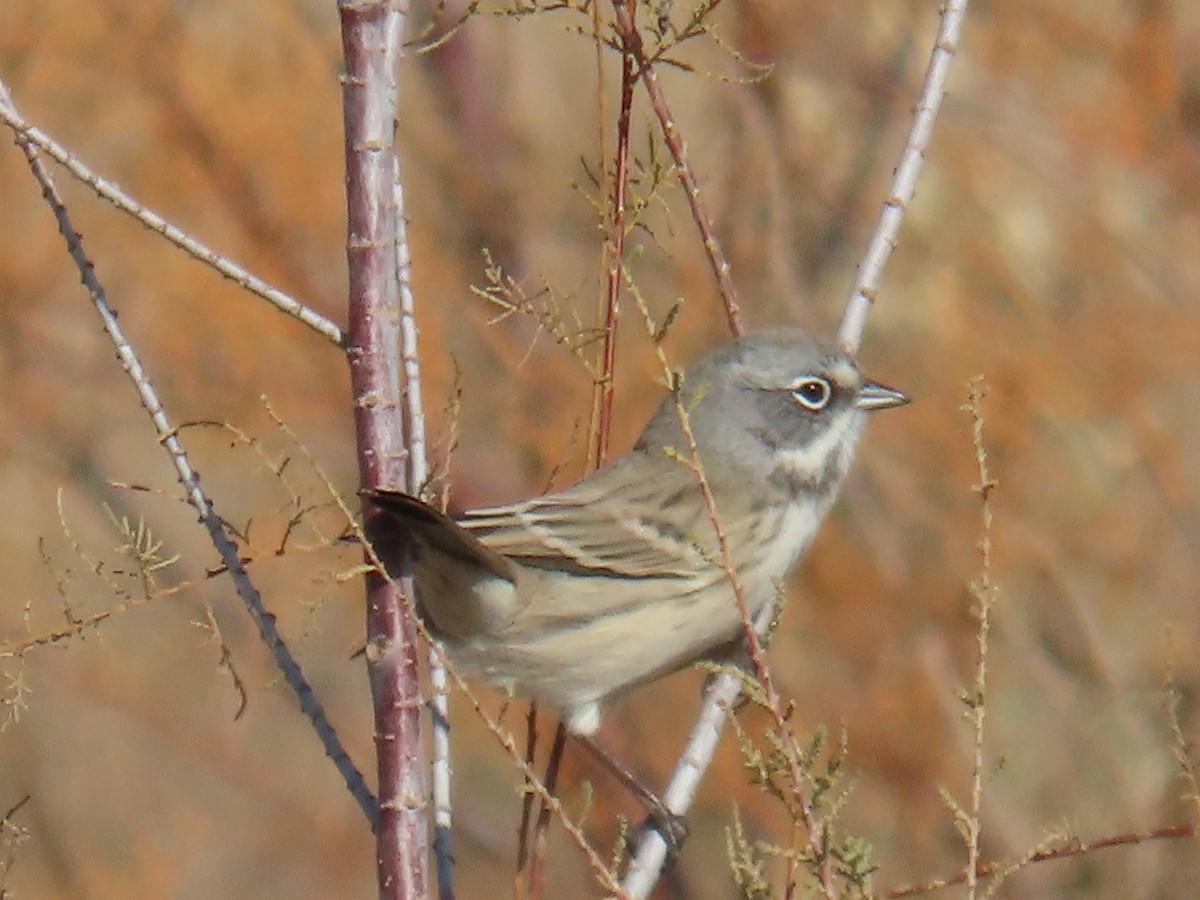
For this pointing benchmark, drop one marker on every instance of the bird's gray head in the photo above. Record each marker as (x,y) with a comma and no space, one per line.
(776,408)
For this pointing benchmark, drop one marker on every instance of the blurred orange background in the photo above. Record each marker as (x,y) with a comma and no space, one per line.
(1053,246)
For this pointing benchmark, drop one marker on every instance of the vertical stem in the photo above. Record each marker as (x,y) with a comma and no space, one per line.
(614,278)
(537,870)
(616,253)
(370,43)
(984,592)
(523,833)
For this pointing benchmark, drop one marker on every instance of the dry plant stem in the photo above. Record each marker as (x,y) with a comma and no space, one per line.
(537,868)
(904,182)
(112,193)
(615,253)
(11,835)
(616,250)
(631,43)
(371,45)
(523,832)
(1181,748)
(984,593)
(169,438)
(1077,848)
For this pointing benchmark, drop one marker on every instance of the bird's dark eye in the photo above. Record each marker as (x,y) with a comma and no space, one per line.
(812,393)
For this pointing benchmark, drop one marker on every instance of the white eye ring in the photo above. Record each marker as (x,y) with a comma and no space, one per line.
(812,392)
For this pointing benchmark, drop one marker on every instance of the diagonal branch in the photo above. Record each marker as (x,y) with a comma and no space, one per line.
(169,437)
(112,193)
(632,45)
(904,182)
(725,688)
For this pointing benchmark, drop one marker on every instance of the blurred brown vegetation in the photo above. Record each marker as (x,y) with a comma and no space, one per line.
(1054,246)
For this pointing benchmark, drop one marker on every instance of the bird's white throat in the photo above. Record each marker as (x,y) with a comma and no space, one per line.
(809,463)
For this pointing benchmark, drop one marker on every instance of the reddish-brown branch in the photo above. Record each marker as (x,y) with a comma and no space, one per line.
(523,830)
(370,43)
(616,248)
(537,870)
(985,870)
(631,42)
(615,253)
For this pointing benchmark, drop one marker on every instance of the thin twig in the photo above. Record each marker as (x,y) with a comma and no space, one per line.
(524,834)
(615,250)
(112,193)
(904,182)
(169,438)
(984,592)
(1074,848)
(537,868)
(631,42)
(1181,747)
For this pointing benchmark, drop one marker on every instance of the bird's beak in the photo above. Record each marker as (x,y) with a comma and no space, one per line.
(873,395)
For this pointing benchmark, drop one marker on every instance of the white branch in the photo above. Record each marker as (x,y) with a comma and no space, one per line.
(904,183)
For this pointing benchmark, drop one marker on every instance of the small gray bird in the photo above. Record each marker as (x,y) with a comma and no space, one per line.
(618,579)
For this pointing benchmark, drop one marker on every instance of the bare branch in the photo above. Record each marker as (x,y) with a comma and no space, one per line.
(904,184)
(216,528)
(1063,851)
(112,193)
(632,44)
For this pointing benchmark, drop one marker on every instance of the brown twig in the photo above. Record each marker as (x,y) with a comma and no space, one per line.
(615,252)
(616,248)
(632,44)
(1076,848)
(537,871)
(984,592)
(1181,747)
(523,833)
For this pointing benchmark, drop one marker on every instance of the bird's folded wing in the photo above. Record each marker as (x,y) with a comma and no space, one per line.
(607,524)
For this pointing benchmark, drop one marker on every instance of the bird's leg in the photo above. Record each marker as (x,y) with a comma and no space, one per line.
(670,825)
